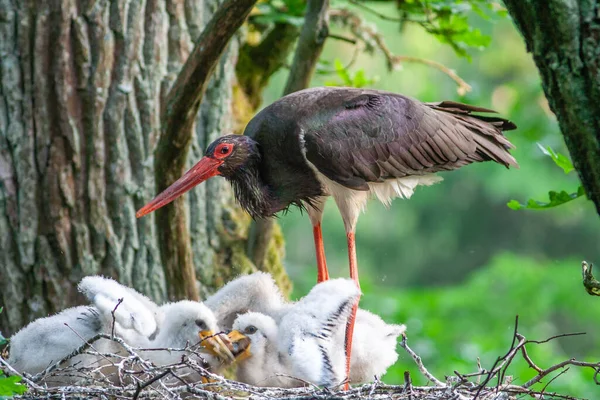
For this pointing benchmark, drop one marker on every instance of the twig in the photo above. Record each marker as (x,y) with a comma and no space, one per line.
(419,362)
(149,382)
(408,387)
(114,321)
(553,379)
(342,38)
(13,371)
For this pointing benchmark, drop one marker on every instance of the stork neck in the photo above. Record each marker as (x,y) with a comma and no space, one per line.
(253,193)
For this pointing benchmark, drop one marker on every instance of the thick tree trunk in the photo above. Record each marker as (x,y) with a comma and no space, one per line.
(81,89)
(564,39)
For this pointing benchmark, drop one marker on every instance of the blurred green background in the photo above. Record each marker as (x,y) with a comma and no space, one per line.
(454,263)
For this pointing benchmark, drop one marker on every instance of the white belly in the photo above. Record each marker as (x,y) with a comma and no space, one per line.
(352,202)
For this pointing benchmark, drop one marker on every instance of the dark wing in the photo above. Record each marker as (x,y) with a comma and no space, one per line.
(375,136)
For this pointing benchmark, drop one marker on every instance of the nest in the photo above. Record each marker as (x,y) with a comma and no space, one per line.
(127,375)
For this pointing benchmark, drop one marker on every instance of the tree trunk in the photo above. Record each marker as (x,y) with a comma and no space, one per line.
(564,39)
(81,89)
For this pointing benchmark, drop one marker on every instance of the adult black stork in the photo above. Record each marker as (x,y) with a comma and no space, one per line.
(349,144)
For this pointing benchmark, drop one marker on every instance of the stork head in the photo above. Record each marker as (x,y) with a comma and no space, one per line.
(225,156)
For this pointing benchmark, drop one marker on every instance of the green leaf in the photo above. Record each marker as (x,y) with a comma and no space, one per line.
(514,204)
(559,159)
(555,199)
(342,72)
(10,386)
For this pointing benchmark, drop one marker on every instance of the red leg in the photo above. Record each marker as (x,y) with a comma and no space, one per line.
(352,318)
(322,273)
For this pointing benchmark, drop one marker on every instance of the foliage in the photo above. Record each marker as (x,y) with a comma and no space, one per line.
(452,327)
(358,79)
(280,11)
(555,198)
(10,386)
(448,21)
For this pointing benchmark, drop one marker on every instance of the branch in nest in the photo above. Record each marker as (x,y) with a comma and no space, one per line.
(373,40)
(138,378)
(419,362)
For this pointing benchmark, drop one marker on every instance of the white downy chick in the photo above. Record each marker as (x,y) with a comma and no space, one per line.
(373,347)
(374,341)
(265,362)
(48,340)
(136,312)
(182,322)
(142,323)
(303,343)
(255,292)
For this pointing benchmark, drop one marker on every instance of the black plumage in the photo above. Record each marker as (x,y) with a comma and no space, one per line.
(356,136)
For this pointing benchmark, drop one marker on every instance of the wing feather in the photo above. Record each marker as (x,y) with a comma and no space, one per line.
(358,137)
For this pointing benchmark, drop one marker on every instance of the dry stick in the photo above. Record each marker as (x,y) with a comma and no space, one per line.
(310,45)
(553,379)
(85,341)
(148,383)
(419,362)
(342,38)
(502,360)
(13,371)
(114,321)
(178,116)
(560,365)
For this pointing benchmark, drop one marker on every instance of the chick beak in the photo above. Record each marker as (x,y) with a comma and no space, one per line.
(240,345)
(215,345)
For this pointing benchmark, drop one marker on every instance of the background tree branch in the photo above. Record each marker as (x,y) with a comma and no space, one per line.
(309,48)
(178,115)
(564,36)
(257,63)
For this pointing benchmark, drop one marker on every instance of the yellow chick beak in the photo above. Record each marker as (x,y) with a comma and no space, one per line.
(240,345)
(215,345)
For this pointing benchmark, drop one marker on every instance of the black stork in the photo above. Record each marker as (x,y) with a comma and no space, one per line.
(349,144)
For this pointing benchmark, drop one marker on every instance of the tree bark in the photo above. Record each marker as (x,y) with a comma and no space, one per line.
(564,39)
(81,88)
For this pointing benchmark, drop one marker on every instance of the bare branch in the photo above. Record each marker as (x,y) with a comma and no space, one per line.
(112,313)
(179,113)
(419,362)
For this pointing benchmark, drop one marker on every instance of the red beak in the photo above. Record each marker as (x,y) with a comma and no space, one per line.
(204,169)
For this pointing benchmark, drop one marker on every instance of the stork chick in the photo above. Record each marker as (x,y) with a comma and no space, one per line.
(303,344)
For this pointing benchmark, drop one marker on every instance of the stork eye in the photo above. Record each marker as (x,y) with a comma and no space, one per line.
(223,150)
(250,330)
(201,324)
